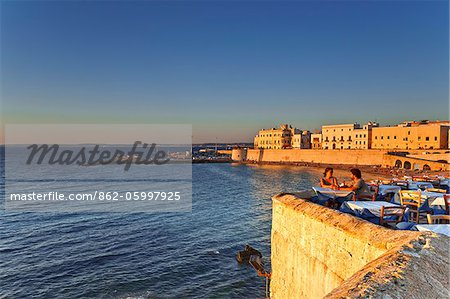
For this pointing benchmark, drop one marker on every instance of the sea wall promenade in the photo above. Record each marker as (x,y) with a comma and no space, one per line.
(383,158)
(318,252)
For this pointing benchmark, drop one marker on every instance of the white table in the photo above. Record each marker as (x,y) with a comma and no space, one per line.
(385,189)
(445,182)
(437,228)
(434,198)
(413,185)
(332,193)
(373,207)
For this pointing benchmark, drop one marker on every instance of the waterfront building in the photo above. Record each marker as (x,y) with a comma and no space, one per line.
(316,141)
(276,138)
(448,138)
(296,141)
(412,135)
(362,137)
(302,140)
(347,136)
(338,136)
(306,139)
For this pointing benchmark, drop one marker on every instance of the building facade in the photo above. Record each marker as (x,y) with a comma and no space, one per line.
(302,140)
(412,135)
(338,136)
(347,136)
(405,136)
(276,138)
(316,141)
(362,137)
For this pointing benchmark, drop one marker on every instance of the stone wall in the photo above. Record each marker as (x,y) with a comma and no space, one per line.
(351,157)
(330,157)
(318,251)
(431,157)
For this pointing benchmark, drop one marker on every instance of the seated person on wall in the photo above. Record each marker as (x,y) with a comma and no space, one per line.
(358,186)
(328,180)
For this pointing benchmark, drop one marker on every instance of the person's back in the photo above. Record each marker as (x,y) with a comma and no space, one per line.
(361,187)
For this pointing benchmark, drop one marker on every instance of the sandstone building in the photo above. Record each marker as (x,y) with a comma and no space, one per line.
(412,135)
(276,138)
(409,135)
(347,136)
(302,140)
(316,141)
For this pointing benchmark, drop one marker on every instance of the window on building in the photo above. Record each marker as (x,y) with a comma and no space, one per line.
(389,137)
(418,138)
(427,138)
(435,138)
(381,137)
(395,137)
(409,132)
(376,137)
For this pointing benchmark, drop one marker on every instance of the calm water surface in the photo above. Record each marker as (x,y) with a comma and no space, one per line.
(161,255)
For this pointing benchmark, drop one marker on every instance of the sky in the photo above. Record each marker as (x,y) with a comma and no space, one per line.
(227,68)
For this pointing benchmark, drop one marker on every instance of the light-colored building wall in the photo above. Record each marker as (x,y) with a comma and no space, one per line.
(297,141)
(362,137)
(338,136)
(275,138)
(302,140)
(347,136)
(316,141)
(411,136)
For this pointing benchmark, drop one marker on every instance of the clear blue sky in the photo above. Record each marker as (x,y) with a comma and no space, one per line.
(229,68)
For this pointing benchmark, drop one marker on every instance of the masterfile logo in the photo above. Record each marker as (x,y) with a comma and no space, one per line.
(112,168)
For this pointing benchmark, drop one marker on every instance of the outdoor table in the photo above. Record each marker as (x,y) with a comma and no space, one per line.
(367,210)
(332,193)
(373,207)
(445,184)
(434,198)
(385,189)
(413,185)
(327,195)
(437,228)
(432,202)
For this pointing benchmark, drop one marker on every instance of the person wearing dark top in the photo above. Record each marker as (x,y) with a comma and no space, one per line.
(328,180)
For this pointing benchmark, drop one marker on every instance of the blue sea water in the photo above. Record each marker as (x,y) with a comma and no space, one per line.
(143,255)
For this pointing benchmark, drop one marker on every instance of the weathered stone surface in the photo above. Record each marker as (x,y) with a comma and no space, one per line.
(419,269)
(327,157)
(316,250)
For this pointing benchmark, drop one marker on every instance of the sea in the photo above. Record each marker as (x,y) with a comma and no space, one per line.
(150,255)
